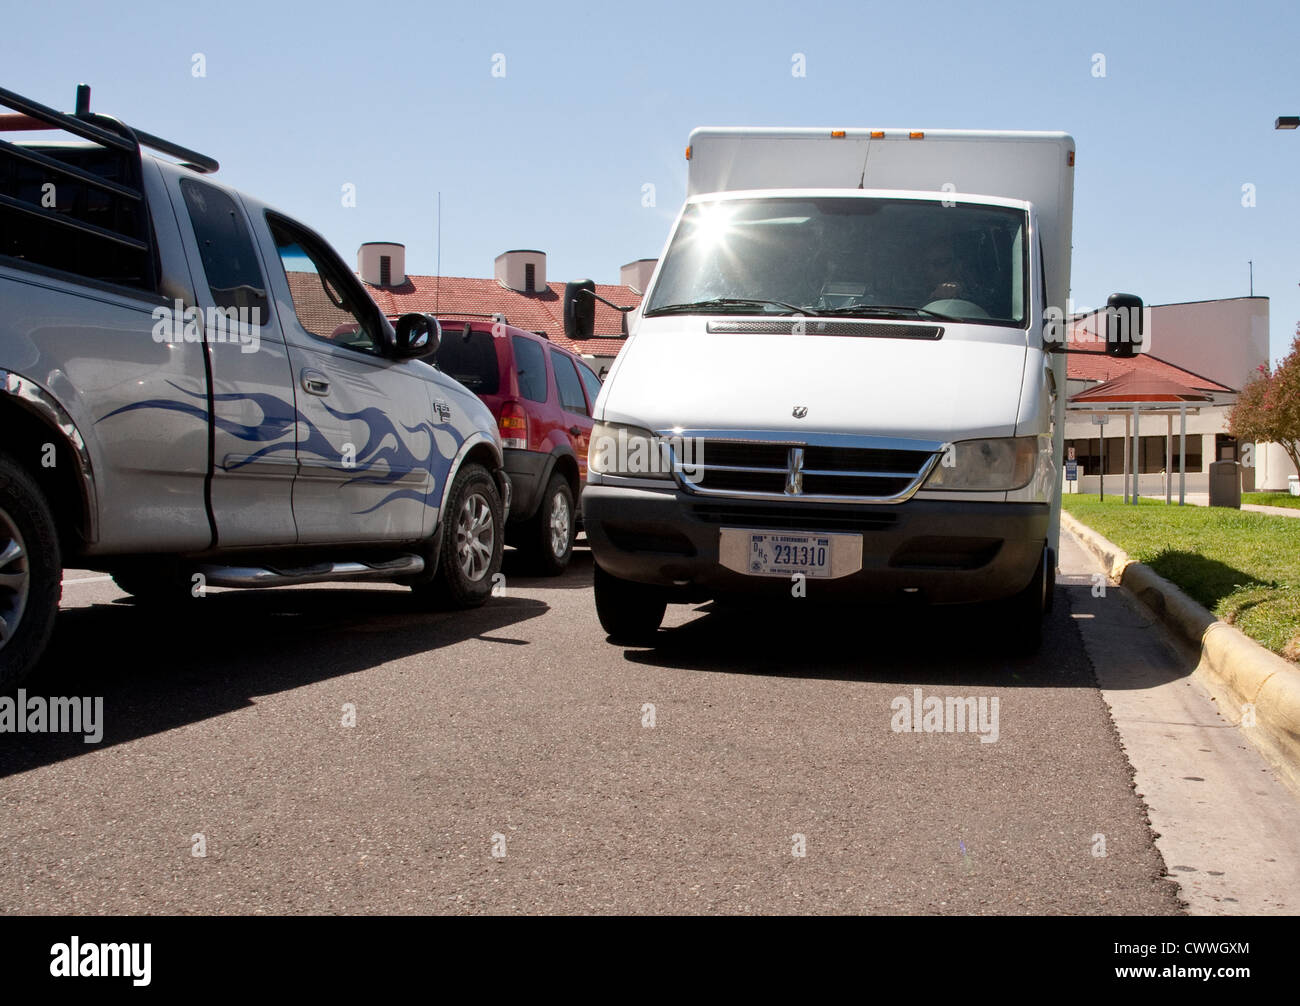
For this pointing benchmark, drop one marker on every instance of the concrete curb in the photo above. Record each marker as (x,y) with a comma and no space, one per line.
(1235,668)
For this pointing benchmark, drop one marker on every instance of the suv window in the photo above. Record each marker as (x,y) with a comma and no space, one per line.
(566,377)
(530,363)
(591,382)
(470,356)
(325,301)
(226,248)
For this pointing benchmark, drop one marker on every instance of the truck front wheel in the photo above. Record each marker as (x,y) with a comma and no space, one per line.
(1022,615)
(629,612)
(31,573)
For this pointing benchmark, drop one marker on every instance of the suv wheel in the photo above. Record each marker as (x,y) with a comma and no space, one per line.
(31,574)
(472,542)
(629,612)
(548,540)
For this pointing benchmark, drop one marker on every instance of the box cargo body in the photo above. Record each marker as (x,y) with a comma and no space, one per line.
(841,361)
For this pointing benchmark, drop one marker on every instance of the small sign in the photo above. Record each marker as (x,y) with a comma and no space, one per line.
(1072,471)
(1070,455)
(1100,419)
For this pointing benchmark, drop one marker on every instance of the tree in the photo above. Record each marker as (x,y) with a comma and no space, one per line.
(1268,407)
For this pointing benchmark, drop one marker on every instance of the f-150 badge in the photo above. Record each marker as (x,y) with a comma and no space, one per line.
(443,411)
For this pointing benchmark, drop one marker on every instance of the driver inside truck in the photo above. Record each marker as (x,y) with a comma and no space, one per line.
(939,273)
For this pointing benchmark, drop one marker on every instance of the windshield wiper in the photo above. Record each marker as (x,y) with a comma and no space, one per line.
(718,303)
(874,310)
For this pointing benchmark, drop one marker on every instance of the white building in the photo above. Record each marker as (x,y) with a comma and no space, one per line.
(1212,347)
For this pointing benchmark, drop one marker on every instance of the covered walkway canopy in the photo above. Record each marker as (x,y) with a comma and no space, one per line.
(1133,394)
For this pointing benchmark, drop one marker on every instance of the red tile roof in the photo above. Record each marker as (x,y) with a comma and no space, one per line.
(1100,367)
(534,312)
(1097,366)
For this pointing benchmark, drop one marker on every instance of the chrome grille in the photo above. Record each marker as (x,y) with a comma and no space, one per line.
(819,467)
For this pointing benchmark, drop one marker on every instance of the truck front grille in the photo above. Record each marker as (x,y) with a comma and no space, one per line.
(831,467)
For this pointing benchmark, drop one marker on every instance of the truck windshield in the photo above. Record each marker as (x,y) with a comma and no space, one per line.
(847,256)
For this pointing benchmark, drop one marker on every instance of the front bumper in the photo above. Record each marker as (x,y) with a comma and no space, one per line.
(928,550)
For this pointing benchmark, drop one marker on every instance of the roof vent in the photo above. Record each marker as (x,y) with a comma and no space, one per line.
(522,270)
(382,263)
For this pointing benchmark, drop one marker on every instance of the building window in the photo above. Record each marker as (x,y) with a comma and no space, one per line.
(385,270)
(530,276)
(1151,454)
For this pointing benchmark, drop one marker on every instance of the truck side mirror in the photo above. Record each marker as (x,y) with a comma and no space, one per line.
(580,309)
(1123,325)
(417,335)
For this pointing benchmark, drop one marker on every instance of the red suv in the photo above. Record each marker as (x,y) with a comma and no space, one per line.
(542,397)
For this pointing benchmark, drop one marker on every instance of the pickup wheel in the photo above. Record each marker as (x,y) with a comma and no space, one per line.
(31,573)
(548,536)
(630,613)
(471,544)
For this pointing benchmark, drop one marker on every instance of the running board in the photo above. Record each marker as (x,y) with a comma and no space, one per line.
(322,572)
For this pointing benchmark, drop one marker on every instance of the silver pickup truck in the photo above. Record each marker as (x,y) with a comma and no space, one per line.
(196,392)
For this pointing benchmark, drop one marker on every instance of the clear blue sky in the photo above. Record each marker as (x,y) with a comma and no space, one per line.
(400,100)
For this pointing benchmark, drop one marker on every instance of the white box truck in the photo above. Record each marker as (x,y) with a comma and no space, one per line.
(847,374)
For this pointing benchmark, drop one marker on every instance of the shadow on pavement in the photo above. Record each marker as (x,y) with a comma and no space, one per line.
(956,645)
(519,570)
(158,669)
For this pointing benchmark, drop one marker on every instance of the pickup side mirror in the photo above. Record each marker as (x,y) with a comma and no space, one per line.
(416,335)
(580,309)
(1123,325)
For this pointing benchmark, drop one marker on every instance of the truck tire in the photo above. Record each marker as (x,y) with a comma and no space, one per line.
(630,613)
(1023,614)
(548,537)
(471,544)
(31,573)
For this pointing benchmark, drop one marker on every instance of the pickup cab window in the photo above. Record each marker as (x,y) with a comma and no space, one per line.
(323,299)
(226,249)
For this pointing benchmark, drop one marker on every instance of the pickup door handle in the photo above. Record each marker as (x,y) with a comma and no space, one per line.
(315,383)
(575,431)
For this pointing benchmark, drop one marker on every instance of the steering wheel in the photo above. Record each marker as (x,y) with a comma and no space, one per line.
(957,307)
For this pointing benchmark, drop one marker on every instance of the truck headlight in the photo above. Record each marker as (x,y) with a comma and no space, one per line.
(619,449)
(997,464)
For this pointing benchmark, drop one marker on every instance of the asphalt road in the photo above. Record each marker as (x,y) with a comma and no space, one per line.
(516,728)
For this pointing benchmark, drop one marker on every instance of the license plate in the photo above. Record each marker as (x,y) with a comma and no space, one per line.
(785,553)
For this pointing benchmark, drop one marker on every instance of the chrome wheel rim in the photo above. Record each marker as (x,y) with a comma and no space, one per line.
(475,536)
(15,578)
(561,522)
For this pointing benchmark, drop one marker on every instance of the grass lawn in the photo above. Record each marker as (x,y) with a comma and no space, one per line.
(1245,567)
(1272,499)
